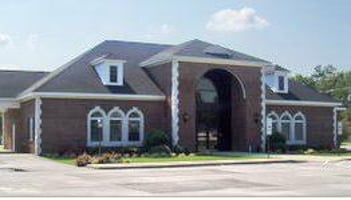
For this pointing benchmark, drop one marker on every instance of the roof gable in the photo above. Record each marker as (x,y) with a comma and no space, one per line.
(201,49)
(13,83)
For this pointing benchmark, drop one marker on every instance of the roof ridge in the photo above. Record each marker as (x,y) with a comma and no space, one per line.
(139,42)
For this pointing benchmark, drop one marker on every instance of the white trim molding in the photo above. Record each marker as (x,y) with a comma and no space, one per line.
(37,124)
(6,103)
(106,131)
(288,121)
(72,95)
(175,102)
(303,121)
(291,121)
(194,59)
(103,118)
(263,111)
(121,118)
(301,103)
(141,121)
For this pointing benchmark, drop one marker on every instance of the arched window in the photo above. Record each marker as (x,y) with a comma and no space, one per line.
(275,121)
(116,120)
(286,125)
(299,128)
(96,120)
(135,125)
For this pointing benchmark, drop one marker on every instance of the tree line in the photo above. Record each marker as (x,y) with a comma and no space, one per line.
(328,80)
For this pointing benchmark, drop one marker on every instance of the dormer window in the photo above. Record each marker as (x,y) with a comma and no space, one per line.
(113,74)
(110,71)
(277,79)
(281,83)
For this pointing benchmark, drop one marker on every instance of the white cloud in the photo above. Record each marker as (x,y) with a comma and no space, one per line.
(4,39)
(229,20)
(167,29)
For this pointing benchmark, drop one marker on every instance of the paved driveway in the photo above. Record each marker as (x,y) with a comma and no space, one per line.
(42,177)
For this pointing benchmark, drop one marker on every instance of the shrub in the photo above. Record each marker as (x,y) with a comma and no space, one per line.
(156,138)
(160,151)
(178,149)
(278,143)
(122,150)
(83,160)
(107,158)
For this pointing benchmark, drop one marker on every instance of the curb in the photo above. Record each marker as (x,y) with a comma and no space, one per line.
(192,164)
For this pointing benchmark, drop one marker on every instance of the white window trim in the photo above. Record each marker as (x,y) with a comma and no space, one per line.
(303,122)
(275,118)
(124,139)
(102,67)
(125,127)
(102,112)
(292,123)
(276,82)
(281,121)
(141,120)
(119,77)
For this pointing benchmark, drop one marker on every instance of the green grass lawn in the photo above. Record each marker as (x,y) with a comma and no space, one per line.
(348,154)
(189,158)
(348,143)
(2,149)
(71,161)
(68,161)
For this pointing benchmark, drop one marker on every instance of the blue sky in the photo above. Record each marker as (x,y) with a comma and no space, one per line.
(297,34)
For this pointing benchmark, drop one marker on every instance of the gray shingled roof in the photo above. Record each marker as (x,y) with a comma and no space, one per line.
(280,68)
(299,92)
(198,48)
(80,76)
(14,82)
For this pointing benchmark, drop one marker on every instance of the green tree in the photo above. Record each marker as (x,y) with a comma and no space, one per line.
(327,79)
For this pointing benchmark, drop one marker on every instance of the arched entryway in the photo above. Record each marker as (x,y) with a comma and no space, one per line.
(215,92)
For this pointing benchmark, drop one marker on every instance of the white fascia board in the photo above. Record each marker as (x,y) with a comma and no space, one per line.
(70,95)
(193,59)
(109,61)
(219,61)
(6,103)
(302,103)
(156,62)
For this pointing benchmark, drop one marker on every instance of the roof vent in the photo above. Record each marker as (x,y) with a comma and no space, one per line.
(218,51)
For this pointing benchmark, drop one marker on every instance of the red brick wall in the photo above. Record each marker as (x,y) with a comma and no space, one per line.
(20,118)
(244,130)
(319,120)
(64,122)
(27,112)
(162,76)
(11,116)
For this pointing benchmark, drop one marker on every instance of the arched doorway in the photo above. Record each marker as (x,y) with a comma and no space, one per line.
(214,111)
